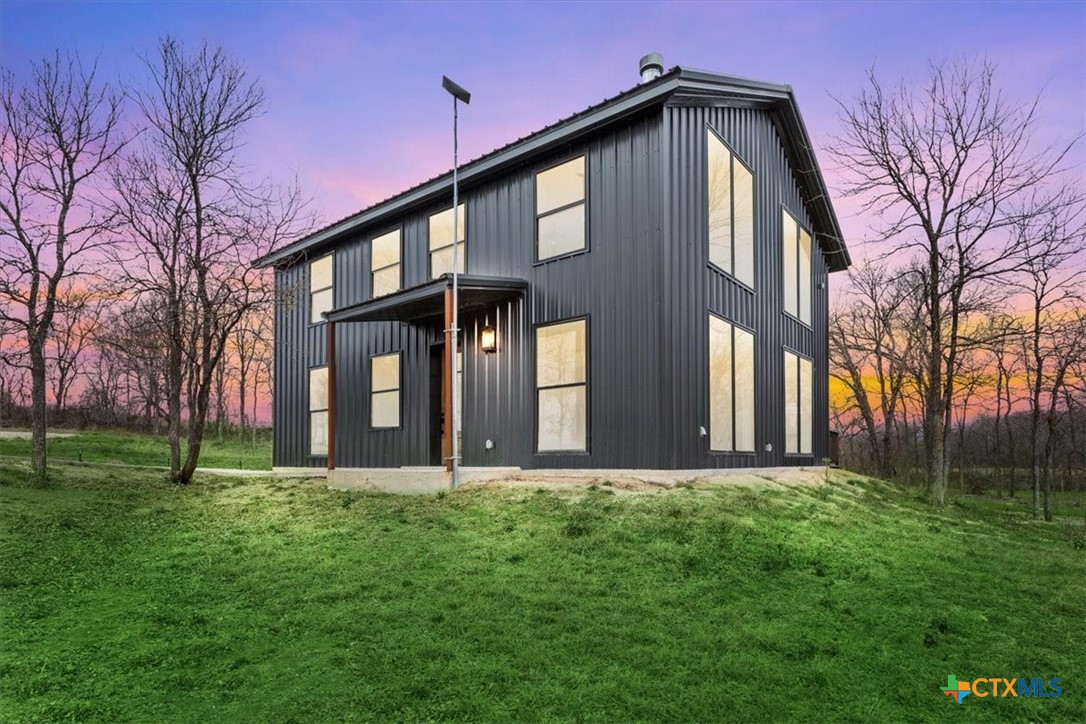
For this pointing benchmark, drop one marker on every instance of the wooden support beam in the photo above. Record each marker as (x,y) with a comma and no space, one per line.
(331,395)
(446,384)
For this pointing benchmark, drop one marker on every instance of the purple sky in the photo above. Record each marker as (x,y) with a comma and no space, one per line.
(354,98)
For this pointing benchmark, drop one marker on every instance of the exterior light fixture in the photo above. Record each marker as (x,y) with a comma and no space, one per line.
(489,339)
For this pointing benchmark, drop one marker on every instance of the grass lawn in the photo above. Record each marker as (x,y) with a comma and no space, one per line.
(136,449)
(124,599)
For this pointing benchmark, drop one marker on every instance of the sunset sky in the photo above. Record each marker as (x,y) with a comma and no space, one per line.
(355,105)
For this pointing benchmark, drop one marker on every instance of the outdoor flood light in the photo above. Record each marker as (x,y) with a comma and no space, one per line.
(489,340)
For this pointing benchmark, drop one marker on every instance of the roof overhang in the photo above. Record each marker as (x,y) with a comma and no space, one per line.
(427,301)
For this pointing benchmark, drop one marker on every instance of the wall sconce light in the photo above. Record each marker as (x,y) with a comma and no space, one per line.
(489,339)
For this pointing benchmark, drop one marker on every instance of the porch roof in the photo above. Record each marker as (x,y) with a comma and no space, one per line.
(428,299)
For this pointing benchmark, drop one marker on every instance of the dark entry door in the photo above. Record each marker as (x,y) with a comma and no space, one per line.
(437,409)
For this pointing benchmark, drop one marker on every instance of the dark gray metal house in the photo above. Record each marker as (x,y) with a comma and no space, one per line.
(643,286)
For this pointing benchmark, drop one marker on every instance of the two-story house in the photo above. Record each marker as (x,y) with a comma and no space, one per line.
(643,286)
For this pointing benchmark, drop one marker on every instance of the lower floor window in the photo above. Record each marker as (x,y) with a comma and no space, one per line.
(731,387)
(562,387)
(798,401)
(318,411)
(385,390)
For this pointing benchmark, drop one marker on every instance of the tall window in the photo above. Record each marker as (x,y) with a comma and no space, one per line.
(441,242)
(731,387)
(798,401)
(560,209)
(731,212)
(321,295)
(797,269)
(385,390)
(562,386)
(318,411)
(385,263)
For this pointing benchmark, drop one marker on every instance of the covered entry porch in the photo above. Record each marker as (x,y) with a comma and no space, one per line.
(427,306)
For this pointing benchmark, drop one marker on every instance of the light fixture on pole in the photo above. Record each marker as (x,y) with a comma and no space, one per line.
(459,94)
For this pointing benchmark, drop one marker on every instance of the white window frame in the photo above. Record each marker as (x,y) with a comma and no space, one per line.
(316,409)
(398,264)
(746,275)
(315,311)
(747,388)
(564,385)
(796,250)
(374,392)
(462,231)
(541,214)
(800,370)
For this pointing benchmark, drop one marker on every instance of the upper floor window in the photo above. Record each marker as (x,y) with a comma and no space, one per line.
(731,387)
(561,378)
(798,403)
(731,212)
(442,241)
(321,294)
(318,411)
(560,209)
(385,263)
(797,269)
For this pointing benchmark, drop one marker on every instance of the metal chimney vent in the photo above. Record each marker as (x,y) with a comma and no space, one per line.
(652,67)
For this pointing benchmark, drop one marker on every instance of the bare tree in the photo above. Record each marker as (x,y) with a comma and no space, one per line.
(251,338)
(949,170)
(195,222)
(868,353)
(1052,283)
(972,375)
(58,133)
(1006,333)
(75,325)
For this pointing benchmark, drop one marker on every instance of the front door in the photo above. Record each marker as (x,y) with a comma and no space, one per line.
(437,407)
(439,450)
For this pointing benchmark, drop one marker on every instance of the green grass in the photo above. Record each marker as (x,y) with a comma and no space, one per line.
(125,599)
(136,449)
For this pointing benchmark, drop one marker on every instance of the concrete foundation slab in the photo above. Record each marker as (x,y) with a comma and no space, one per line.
(416,480)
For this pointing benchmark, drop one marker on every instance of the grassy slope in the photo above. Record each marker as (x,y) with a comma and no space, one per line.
(135,449)
(125,599)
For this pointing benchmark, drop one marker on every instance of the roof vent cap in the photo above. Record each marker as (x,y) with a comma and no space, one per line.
(652,67)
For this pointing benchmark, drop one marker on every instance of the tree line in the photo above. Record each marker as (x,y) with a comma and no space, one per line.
(129,226)
(964,335)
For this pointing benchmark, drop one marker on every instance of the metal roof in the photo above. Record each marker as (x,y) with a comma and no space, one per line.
(677,83)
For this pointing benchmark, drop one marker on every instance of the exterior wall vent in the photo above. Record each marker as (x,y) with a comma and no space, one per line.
(652,67)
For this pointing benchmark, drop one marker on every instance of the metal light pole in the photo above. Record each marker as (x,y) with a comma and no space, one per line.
(458,94)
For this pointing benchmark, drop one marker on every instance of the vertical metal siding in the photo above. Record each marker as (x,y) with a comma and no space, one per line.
(698,289)
(615,284)
(644,284)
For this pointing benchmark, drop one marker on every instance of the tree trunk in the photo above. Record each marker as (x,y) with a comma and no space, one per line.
(241,401)
(220,402)
(38,412)
(174,383)
(255,381)
(935,444)
(1035,458)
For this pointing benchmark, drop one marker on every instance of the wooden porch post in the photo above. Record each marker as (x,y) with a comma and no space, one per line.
(331,395)
(446,384)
